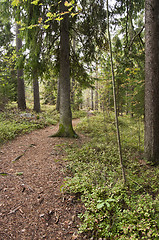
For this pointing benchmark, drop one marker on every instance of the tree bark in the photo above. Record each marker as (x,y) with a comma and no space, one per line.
(96,95)
(65,124)
(20,80)
(58,96)
(92,99)
(152,81)
(73,79)
(36,91)
(96,89)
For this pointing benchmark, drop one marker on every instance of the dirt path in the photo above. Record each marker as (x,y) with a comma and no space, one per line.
(31,204)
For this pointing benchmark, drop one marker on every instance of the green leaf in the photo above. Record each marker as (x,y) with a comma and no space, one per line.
(73,14)
(100,205)
(46,26)
(19,173)
(3,174)
(110,200)
(108,204)
(49,15)
(35,2)
(58,19)
(67,4)
(70,9)
(79,9)
(15,2)
(22,29)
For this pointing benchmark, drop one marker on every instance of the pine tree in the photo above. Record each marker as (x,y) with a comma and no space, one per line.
(152,81)
(20,78)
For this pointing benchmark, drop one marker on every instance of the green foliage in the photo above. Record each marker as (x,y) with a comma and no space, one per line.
(78,114)
(7,77)
(14,122)
(114,211)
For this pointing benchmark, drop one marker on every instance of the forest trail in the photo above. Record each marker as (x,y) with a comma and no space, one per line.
(31,204)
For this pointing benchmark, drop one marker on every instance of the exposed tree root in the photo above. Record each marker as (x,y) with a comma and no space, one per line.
(65,132)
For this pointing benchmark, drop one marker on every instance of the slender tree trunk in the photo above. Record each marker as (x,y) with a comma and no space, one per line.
(58,96)
(20,80)
(92,99)
(96,95)
(65,125)
(36,91)
(96,89)
(152,81)
(115,103)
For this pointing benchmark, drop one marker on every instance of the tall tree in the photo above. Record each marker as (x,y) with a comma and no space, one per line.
(152,81)
(33,39)
(114,94)
(65,125)
(8,80)
(20,79)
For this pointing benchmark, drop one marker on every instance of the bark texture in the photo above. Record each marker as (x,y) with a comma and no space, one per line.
(20,80)
(58,96)
(36,92)
(65,125)
(152,81)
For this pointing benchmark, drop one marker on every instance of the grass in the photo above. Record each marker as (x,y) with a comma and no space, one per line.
(114,210)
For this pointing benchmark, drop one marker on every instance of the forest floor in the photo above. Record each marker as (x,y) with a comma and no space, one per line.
(32,207)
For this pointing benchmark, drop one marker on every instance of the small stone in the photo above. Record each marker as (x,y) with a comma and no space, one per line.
(73,218)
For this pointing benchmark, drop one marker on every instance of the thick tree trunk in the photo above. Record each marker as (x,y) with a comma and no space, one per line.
(65,125)
(152,81)
(73,79)
(36,92)
(20,80)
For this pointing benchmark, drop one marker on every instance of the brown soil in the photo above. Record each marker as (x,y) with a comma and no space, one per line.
(32,207)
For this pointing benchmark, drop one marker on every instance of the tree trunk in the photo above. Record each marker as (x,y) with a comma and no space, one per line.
(36,92)
(114,95)
(92,99)
(58,96)
(96,89)
(65,125)
(152,81)
(20,80)
(73,79)
(96,95)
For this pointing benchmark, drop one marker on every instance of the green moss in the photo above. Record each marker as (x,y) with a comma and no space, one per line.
(65,132)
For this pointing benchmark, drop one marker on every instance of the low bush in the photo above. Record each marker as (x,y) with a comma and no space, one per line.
(114,210)
(14,122)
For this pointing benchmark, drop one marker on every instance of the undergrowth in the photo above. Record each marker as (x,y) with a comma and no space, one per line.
(14,122)
(114,210)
